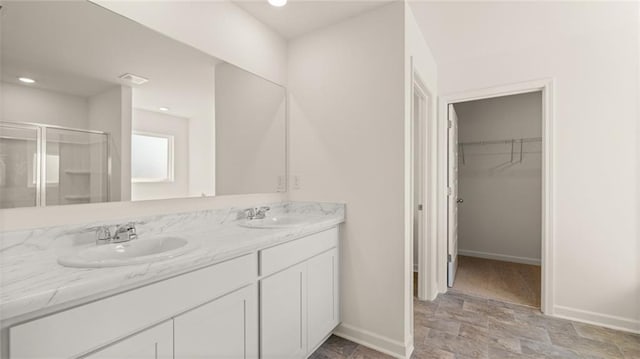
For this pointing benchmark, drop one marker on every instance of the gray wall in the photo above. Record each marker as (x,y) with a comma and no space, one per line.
(501,213)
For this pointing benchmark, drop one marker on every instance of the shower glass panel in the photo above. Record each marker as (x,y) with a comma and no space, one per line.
(18,166)
(76,167)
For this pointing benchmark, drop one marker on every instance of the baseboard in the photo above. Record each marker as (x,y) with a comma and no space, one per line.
(603,320)
(499,257)
(374,341)
(409,349)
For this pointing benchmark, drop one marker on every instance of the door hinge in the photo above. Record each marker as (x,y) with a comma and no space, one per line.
(449,191)
(419,207)
(449,258)
(449,123)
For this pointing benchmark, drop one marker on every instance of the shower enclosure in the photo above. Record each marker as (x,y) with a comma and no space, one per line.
(44,165)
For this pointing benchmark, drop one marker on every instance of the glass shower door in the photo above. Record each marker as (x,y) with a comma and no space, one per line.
(19,166)
(76,167)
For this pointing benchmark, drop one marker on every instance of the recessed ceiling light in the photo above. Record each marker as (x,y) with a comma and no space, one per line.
(278,3)
(26,80)
(164,109)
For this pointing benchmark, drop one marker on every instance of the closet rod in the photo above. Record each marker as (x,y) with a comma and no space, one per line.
(497,142)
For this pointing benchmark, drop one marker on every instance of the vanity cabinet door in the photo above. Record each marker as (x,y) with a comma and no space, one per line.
(153,343)
(283,314)
(226,328)
(322,296)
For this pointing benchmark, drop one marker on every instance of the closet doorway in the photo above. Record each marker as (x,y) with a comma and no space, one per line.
(496,176)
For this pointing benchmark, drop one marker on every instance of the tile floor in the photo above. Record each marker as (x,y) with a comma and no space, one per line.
(461,326)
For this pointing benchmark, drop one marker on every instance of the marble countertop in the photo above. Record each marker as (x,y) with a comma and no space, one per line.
(33,284)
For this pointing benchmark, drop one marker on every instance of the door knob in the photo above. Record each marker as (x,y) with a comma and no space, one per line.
(460,200)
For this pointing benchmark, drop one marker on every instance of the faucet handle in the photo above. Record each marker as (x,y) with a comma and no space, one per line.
(131,230)
(261,212)
(125,232)
(103,234)
(250,213)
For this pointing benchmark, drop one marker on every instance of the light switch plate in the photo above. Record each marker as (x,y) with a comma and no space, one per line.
(281,184)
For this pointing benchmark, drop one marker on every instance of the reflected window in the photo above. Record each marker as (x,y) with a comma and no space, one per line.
(151,157)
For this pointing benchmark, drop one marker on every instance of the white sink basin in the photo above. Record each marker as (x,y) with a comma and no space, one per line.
(275,222)
(136,251)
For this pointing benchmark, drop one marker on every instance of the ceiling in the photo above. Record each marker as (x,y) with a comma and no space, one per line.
(299,17)
(473,29)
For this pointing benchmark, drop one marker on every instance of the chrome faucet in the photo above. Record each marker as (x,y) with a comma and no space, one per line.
(256,213)
(261,213)
(123,233)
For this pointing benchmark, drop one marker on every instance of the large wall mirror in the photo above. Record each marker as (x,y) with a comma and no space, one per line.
(96,108)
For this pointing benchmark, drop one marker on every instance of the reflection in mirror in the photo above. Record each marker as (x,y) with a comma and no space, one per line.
(151,158)
(96,107)
(19,170)
(247,166)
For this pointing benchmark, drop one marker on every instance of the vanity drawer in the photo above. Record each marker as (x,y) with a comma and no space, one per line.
(88,327)
(284,255)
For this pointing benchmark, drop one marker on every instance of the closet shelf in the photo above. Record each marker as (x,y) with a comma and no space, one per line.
(77,172)
(519,142)
(77,197)
(498,142)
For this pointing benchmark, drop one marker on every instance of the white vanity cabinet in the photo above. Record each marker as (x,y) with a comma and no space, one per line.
(220,299)
(283,320)
(322,296)
(299,302)
(278,303)
(153,343)
(224,328)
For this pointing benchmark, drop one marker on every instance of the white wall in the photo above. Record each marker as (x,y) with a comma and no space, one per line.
(638,167)
(202,146)
(218,28)
(22,103)
(250,133)
(163,124)
(111,111)
(349,142)
(501,215)
(591,51)
(420,66)
(259,50)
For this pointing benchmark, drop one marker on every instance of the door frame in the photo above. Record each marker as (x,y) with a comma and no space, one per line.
(425,130)
(545,86)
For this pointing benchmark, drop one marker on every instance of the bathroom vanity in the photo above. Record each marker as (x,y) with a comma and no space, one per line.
(243,293)
(165,120)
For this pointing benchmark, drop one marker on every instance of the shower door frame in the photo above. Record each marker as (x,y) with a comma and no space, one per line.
(41,154)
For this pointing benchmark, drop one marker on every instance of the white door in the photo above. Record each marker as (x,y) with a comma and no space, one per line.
(452,203)
(419,209)
(153,343)
(226,328)
(322,296)
(283,331)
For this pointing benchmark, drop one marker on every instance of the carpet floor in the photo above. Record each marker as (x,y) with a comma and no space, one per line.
(504,281)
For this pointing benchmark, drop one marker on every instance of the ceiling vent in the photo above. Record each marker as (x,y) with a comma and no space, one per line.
(133,79)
